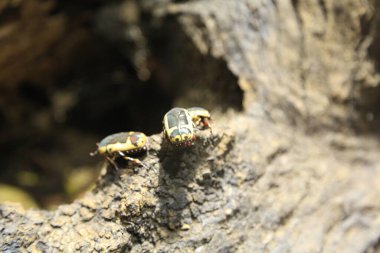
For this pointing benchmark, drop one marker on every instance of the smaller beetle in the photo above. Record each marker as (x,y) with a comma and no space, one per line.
(200,117)
(122,145)
(178,127)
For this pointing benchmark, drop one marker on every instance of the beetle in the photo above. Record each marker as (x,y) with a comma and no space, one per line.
(200,117)
(178,127)
(123,145)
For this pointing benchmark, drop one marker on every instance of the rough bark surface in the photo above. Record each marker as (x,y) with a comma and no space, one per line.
(287,174)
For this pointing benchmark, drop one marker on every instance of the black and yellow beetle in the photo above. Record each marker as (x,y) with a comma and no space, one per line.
(200,117)
(123,145)
(178,127)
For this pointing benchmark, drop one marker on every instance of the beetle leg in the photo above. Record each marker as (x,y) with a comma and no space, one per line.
(134,160)
(112,162)
(206,124)
(96,151)
(121,153)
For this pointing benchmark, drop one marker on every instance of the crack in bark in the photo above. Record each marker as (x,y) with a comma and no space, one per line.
(277,153)
(285,219)
(322,5)
(374,247)
(302,56)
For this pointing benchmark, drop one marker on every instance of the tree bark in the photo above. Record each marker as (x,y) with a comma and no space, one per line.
(296,170)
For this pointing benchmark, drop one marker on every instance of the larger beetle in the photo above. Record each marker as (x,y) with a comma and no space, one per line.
(178,127)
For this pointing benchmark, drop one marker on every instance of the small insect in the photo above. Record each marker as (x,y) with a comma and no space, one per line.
(123,145)
(200,117)
(178,127)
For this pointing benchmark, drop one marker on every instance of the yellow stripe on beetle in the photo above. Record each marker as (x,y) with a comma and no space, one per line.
(122,145)
(178,127)
(130,142)
(179,124)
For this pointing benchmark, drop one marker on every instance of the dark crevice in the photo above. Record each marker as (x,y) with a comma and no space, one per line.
(374,247)
(192,78)
(73,8)
(9,13)
(113,99)
(277,153)
(368,101)
(323,7)
(295,6)
(302,53)
(274,2)
(34,93)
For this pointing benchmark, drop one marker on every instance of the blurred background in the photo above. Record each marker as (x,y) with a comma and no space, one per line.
(72,72)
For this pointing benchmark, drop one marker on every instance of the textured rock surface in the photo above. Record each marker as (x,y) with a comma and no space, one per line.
(287,174)
(308,59)
(231,192)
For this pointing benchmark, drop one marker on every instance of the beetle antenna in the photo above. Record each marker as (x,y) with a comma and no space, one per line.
(94,153)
